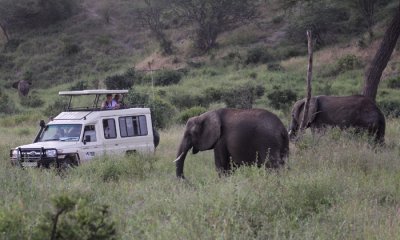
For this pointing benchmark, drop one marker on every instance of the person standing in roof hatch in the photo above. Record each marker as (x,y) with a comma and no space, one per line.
(109,103)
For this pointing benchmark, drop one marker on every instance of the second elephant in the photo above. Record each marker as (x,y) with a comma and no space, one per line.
(355,111)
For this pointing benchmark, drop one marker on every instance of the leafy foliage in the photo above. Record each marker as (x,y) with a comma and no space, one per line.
(191,112)
(211,17)
(242,96)
(348,62)
(32,101)
(55,108)
(167,77)
(76,218)
(125,80)
(281,98)
(162,112)
(393,83)
(390,107)
(6,105)
(258,55)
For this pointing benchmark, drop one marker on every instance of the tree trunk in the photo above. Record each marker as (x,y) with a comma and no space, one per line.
(304,121)
(382,57)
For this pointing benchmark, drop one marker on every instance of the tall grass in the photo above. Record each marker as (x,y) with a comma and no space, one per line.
(337,187)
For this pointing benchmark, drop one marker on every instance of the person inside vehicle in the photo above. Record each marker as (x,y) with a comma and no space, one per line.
(109,103)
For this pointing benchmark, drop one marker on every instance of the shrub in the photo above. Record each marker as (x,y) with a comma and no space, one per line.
(348,62)
(118,81)
(274,66)
(188,100)
(191,112)
(71,48)
(393,83)
(125,80)
(213,94)
(167,77)
(162,111)
(32,101)
(242,96)
(12,45)
(6,105)
(258,55)
(54,109)
(11,225)
(80,85)
(390,107)
(281,98)
(76,218)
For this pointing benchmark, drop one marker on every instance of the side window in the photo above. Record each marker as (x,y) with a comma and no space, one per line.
(109,128)
(89,134)
(133,126)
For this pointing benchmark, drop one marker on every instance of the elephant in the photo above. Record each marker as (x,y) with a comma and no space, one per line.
(238,136)
(22,86)
(356,111)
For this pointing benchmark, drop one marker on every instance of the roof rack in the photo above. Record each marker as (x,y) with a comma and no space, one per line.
(97,92)
(92,92)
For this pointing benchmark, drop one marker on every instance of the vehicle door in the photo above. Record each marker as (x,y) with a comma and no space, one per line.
(91,145)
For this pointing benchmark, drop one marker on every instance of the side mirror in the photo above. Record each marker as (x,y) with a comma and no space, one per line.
(87,139)
(42,124)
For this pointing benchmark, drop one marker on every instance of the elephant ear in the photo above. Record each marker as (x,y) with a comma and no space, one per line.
(209,130)
(312,111)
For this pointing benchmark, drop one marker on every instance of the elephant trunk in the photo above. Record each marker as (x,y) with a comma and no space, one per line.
(181,156)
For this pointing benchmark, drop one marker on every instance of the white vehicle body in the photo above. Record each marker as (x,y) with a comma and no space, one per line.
(79,136)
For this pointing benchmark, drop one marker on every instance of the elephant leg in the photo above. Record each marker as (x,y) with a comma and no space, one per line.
(222,159)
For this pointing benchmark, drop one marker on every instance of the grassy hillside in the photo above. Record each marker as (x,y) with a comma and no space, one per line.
(337,187)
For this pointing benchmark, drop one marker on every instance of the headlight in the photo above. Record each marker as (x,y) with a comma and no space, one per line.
(14,153)
(51,153)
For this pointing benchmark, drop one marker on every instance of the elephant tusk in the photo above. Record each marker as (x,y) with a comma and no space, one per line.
(290,132)
(178,158)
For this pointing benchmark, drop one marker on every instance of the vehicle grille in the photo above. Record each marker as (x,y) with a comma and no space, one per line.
(30,155)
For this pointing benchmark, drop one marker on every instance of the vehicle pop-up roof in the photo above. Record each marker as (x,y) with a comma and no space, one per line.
(96,102)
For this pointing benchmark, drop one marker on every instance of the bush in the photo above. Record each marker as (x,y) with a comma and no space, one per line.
(242,96)
(11,225)
(76,218)
(213,94)
(162,111)
(281,98)
(80,85)
(258,55)
(125,80)
(390,107)
(6,105)
(54,109)
(393,83)
(275,66)
(187,100)
(348,62)
(191,112)
(31,101)
(71,49)
(167,77)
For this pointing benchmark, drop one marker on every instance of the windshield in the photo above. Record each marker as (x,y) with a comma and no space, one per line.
(61,132)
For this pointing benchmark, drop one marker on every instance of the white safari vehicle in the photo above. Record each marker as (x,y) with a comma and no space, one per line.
(82,133)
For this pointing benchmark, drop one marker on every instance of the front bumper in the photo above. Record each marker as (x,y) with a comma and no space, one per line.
(32,157)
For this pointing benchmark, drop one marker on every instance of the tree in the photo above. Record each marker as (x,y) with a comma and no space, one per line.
(151,16)
(211,17)
(374,72)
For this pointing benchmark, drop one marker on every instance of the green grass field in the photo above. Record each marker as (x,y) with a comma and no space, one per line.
(336,187)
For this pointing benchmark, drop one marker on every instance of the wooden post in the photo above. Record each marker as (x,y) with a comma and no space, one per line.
(304,121)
